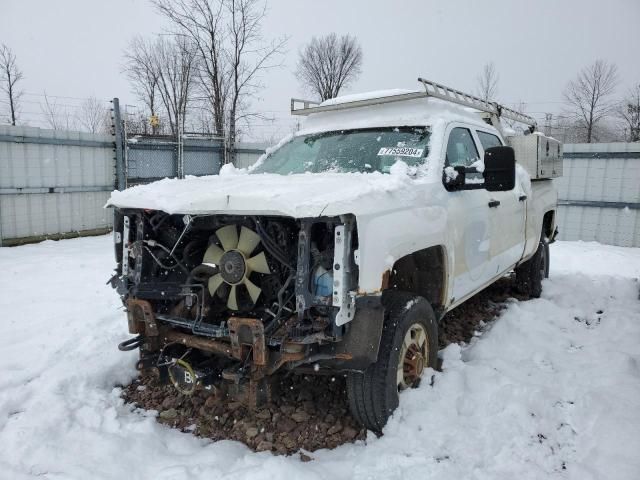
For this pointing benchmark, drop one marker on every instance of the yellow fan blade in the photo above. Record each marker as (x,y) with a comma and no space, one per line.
(254,290)
(228,237)
(213,254)
(214,284)
(249,240)
(232,303)
(258,264)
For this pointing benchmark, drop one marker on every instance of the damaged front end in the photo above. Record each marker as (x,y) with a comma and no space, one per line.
(225,302)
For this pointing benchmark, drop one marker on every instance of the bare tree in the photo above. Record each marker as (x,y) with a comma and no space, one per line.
(232,54)
(162,73)
(247,58)
(139,123)
(589,95)
(487,82)
(629,112)
(568,129)
(329,63)
(202,21)
(201,120)
(142,71)
(10,75)
(175,61)
(91,115)
(57,117)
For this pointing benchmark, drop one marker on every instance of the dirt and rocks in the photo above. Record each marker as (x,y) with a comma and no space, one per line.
(308,412)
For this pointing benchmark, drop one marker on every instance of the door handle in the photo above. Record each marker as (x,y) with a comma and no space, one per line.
(494,203)
(522,198)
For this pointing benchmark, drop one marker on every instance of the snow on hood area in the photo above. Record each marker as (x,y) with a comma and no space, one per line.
(551,389)
(308,195)
(298,195)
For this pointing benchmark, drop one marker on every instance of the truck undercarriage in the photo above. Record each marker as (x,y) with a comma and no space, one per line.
(227,301)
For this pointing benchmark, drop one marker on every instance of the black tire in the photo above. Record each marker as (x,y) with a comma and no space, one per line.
(374,394)
(530,274)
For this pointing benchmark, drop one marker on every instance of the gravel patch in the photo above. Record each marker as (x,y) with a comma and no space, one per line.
(309,412)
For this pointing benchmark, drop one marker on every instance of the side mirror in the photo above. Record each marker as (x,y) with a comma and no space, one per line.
(499,169)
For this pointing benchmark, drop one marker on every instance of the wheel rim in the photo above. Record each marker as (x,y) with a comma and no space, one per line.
(412,361)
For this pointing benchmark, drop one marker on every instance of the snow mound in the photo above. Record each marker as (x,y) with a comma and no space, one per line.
(552,389)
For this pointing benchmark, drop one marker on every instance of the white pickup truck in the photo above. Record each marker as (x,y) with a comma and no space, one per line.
(340,250)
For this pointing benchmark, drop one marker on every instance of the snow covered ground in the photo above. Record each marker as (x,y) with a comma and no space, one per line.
(551,390)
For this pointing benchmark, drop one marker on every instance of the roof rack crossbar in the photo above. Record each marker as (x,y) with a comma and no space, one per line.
(308,108)
(305,104)
(431,89)
(442,92)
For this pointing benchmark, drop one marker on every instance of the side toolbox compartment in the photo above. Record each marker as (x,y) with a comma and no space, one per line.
(541,156)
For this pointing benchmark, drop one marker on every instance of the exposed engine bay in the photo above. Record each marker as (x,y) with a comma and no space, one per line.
(234,297)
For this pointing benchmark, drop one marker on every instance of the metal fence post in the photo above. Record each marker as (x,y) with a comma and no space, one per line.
(117,131)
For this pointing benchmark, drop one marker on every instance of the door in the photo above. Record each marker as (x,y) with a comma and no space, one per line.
(507,218)
(469,223)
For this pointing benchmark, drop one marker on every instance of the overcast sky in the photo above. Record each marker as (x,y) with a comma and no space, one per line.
(73,48)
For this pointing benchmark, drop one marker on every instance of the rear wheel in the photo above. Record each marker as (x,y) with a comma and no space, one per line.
(530,274)
(408,346)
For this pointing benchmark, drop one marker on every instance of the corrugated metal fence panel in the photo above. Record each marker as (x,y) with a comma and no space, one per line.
(248,153)
(36,215)
(613,226)
(606,180)
(599,194)
(37,158)
(53,183)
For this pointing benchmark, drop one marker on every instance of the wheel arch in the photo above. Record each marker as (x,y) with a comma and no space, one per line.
(423,273)
(549,224)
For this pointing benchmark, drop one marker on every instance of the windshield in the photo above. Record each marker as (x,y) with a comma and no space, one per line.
(349,151)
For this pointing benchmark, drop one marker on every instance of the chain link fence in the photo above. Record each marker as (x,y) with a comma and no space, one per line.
(149,158)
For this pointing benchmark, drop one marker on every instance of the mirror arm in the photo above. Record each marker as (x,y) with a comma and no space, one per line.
(458,187)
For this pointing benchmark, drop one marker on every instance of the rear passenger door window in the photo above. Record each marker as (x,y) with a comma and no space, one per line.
(488,140)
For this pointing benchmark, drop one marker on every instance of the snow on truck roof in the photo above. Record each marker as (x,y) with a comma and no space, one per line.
(411,112)
(367,96)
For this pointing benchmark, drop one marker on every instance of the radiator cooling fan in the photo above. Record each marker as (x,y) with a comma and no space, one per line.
(235,262)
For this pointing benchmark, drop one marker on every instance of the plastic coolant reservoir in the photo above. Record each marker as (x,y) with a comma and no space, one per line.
(322,282)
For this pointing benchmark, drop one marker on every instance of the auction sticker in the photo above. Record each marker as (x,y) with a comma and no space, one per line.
(401,151)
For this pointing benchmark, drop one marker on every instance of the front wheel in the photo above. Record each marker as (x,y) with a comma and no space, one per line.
(409,345)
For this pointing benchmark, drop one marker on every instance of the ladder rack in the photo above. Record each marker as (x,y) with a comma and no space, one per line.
(437,90)
(311,106)
(431,89)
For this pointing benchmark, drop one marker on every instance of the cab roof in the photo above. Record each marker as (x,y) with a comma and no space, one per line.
(411,112)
